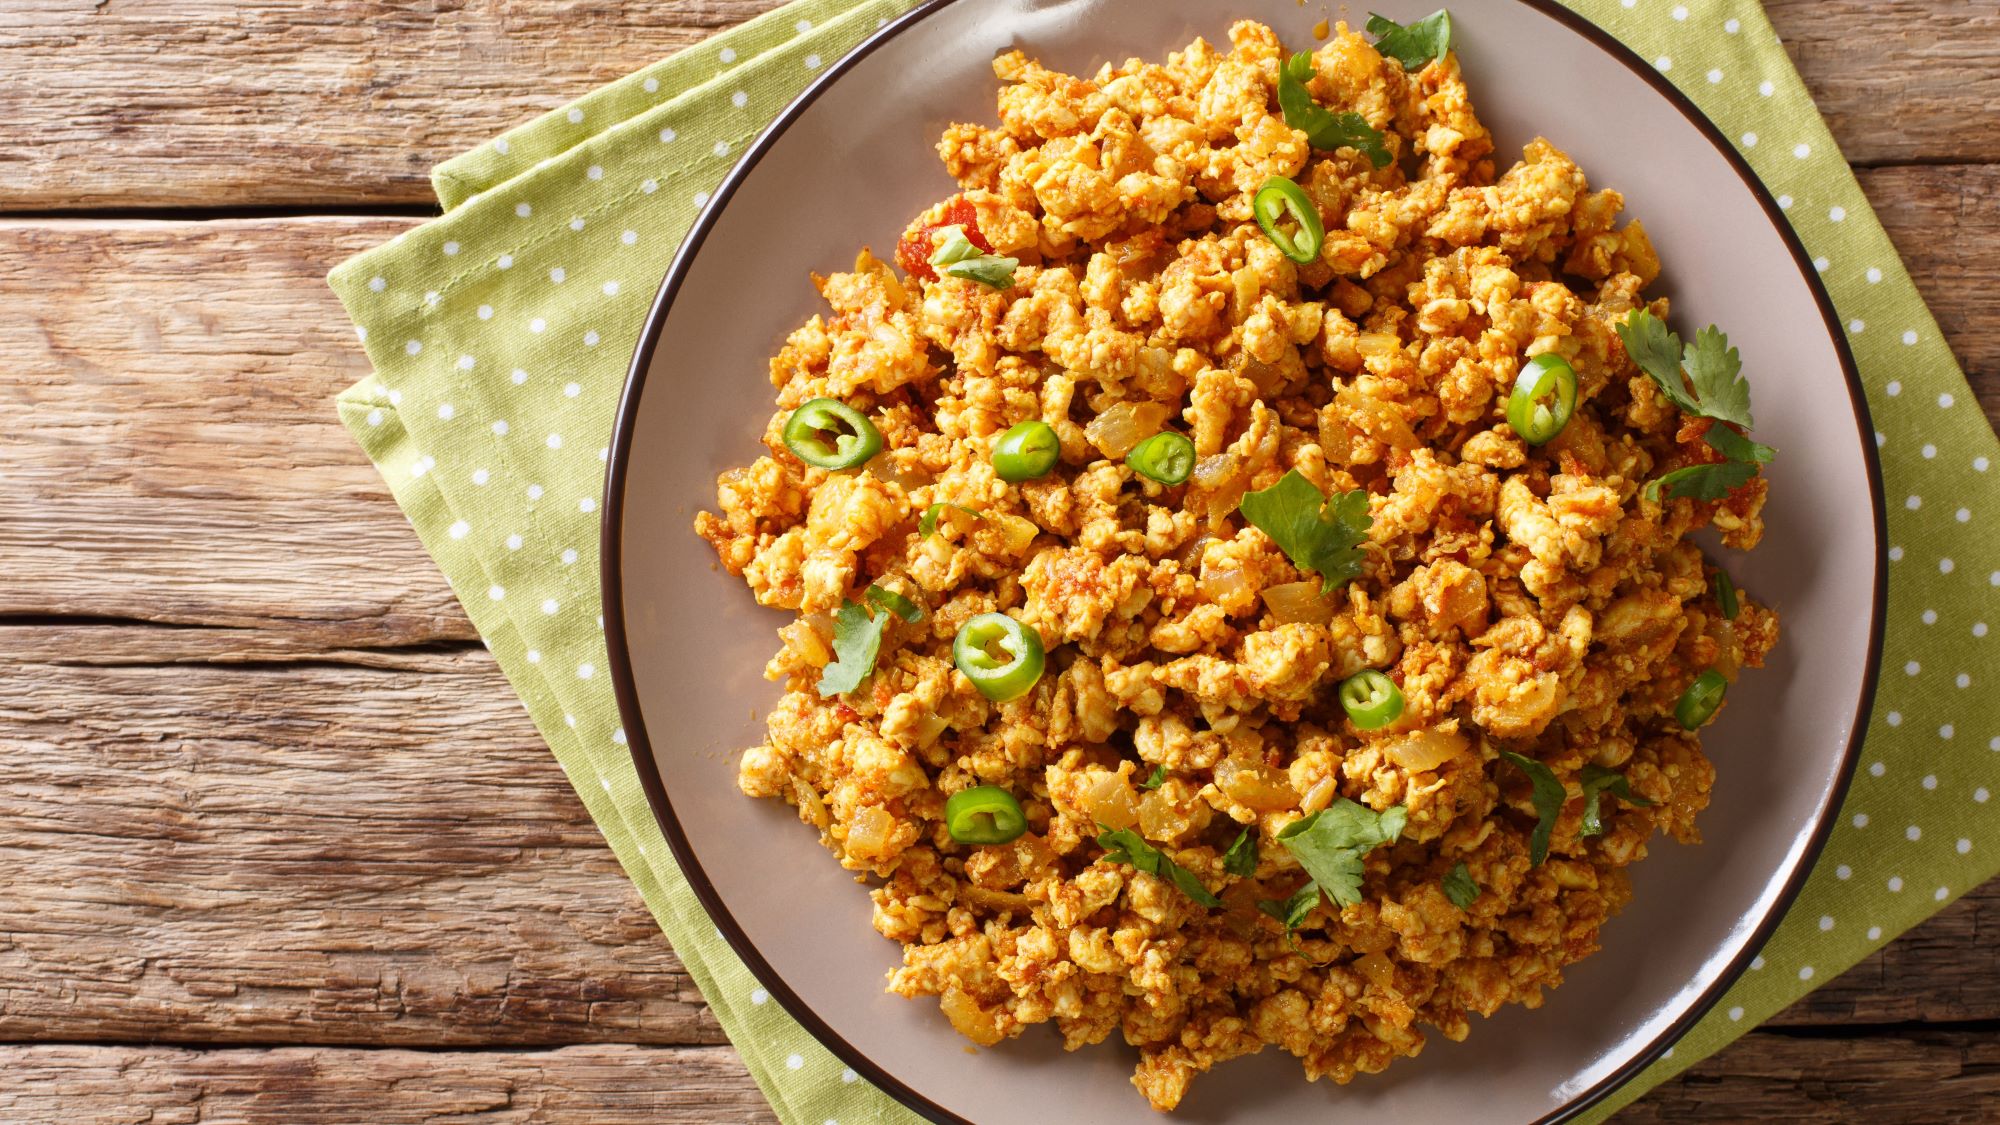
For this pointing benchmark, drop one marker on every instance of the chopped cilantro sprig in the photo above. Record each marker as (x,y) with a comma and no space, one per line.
(1598,781)
(1332,845)
(1415,45)
(1325,129)
(1122,845)
(1705,379)
(1459,887)
(1548,798)
(1317,533)
(857,637)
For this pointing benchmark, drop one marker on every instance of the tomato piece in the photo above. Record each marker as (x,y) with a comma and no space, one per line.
(913,251)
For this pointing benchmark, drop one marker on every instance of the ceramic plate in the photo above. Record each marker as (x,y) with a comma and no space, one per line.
(847,166)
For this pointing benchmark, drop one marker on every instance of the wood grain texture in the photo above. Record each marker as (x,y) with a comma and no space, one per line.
(625,1085)
(1914,1078)
(167,414)
(1946,222)
(305,852)
(330,103)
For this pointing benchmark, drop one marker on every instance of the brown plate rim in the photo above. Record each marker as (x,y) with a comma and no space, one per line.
(611,544)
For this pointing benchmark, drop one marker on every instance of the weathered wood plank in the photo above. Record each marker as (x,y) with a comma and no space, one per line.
(1907,1077)
(1942,1076)
(168,412)
(348,102)
(1946,223)
(312,854)
(210,853)
(625,1085)
(1899,80)
(211,103)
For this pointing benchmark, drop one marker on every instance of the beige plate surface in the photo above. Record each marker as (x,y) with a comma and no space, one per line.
(847,167)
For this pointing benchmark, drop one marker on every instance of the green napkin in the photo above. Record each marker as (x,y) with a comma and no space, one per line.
(500,335)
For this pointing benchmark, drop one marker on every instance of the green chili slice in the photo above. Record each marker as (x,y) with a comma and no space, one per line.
(1725,595)
(1166,457)
(1698,703)
(1026,451)
(984,814)
(1371,699)
(1278,199)
(1001,656)
(1544,398)
(829,434)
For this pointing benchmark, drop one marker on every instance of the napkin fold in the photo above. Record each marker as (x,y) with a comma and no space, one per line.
(500,336)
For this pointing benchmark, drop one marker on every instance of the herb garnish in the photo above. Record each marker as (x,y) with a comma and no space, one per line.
(1331,844)
(1459,887)
(1712,367)
(1155,779)
(1597,781)
(1241,858)
(927,523)
(1549,796)
(857,637)
(1415,45)
(1316,533)
(1325,129)
(958,257)
(1122,845)
(1715,479)
(1292,911)
(1714,371)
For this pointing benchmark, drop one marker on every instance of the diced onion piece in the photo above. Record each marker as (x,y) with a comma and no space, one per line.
(1109,801)
(1378,343)
(1225,585)
(1255,787)
(1379,970)
(971,1020)
(1727,647)
(869,832)
(1378,419)
(1125,425)
(1210,472)
(1160,819)
(1016,532)
(1426,749)
(1190,556)
(1298,603)
(1318,797)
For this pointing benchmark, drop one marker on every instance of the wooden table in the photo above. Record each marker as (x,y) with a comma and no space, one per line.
(277,844)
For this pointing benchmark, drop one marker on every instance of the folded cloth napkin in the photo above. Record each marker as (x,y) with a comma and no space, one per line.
(500,336)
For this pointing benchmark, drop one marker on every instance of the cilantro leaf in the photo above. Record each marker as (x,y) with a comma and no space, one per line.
(1292,911)
(1701,482)
(1657,351)
(1716,480)
(1122,845)
(927,523)
(1330,844)
(1155,779)
(1736,447)
(1316,533)
(1323,128)
(857,638)
(1548,797)
(881,597)
(1712,368)
(1241,858)
(1596,781)
(958,257)
(1459,887)
(1415,45)
(1717,374)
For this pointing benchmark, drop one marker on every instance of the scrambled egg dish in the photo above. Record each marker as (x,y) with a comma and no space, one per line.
(1239,550)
